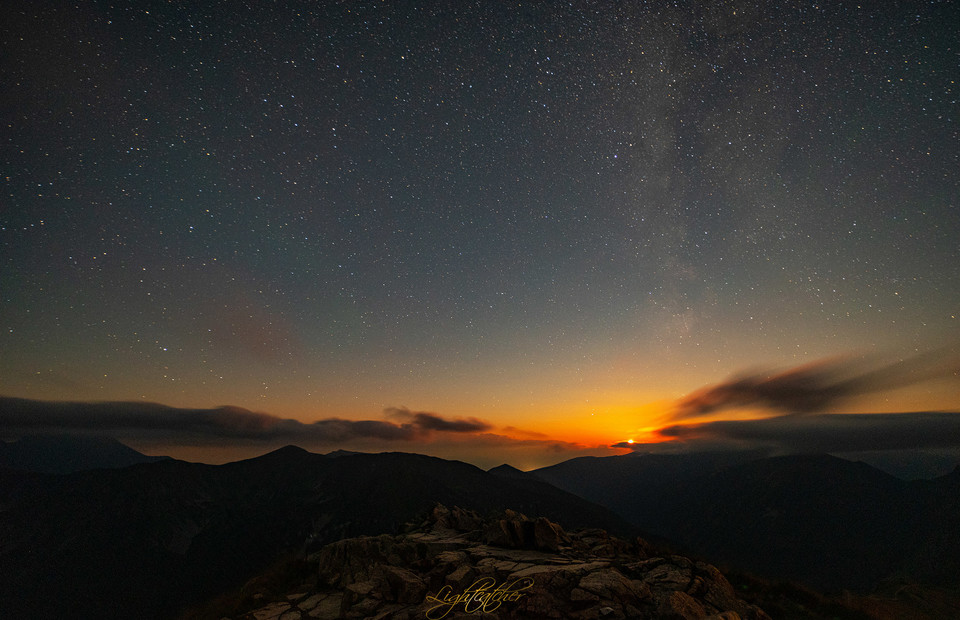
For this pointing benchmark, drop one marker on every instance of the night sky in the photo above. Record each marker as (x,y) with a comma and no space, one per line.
(552,221)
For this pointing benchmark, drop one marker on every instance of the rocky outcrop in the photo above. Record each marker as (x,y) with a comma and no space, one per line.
(515,530)
(457,565)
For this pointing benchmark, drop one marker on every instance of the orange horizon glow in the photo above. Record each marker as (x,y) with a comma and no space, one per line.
(527,428)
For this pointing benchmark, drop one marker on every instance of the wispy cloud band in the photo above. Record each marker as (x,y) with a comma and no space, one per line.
(19,415)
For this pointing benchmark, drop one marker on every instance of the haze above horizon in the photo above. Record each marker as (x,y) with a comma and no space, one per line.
(483,229)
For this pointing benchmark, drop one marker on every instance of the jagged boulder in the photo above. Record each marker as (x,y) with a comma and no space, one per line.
(456,519)
(517,531)
(457,565)
(548,536)
(399,584)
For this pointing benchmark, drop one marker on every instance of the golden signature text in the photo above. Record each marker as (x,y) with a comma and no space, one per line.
(483,596)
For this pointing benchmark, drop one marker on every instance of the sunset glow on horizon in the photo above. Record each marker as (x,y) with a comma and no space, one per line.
(497,233)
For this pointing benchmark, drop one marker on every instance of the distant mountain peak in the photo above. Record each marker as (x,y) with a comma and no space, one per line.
(67,453)
(338,453)
(291,449)
(285,453)
(506,470)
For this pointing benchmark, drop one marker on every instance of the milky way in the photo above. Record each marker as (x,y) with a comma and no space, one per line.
(523,210)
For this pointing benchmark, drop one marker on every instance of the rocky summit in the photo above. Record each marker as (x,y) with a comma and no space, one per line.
(456,564)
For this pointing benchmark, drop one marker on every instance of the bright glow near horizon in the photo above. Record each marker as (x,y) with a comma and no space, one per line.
(556,220)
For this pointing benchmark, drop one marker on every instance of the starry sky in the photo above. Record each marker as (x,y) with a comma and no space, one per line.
(554,222)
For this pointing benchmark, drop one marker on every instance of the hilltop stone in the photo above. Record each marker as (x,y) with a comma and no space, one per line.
(456,565)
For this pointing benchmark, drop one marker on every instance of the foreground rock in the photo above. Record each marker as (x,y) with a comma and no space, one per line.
(457,565)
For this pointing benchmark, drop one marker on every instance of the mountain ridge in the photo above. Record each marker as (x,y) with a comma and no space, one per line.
(67,453)
(821,520)
(145,540)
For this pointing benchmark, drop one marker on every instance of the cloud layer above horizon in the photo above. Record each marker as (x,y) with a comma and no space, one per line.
(799,400)
(230,433)
(19,415)
(816,387)
(831,433)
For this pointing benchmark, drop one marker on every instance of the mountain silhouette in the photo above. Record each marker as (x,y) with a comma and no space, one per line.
(509,471)
(816,519)
(63,454)
(148,540)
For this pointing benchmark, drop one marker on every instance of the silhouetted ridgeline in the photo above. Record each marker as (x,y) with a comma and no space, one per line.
(818,519)
(147,540)
(64,454)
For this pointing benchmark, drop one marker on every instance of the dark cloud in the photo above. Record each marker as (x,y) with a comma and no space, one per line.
(231,433)
(336,429)
(823,432)
(525,433)
(816,387)
(432,422)
(132,418)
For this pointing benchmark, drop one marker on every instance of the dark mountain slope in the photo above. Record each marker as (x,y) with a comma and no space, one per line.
(63,454)
(933,554)
(641,488)
(147,540)
(818,519)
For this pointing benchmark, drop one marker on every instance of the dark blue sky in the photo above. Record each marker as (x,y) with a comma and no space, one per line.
(535,211)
